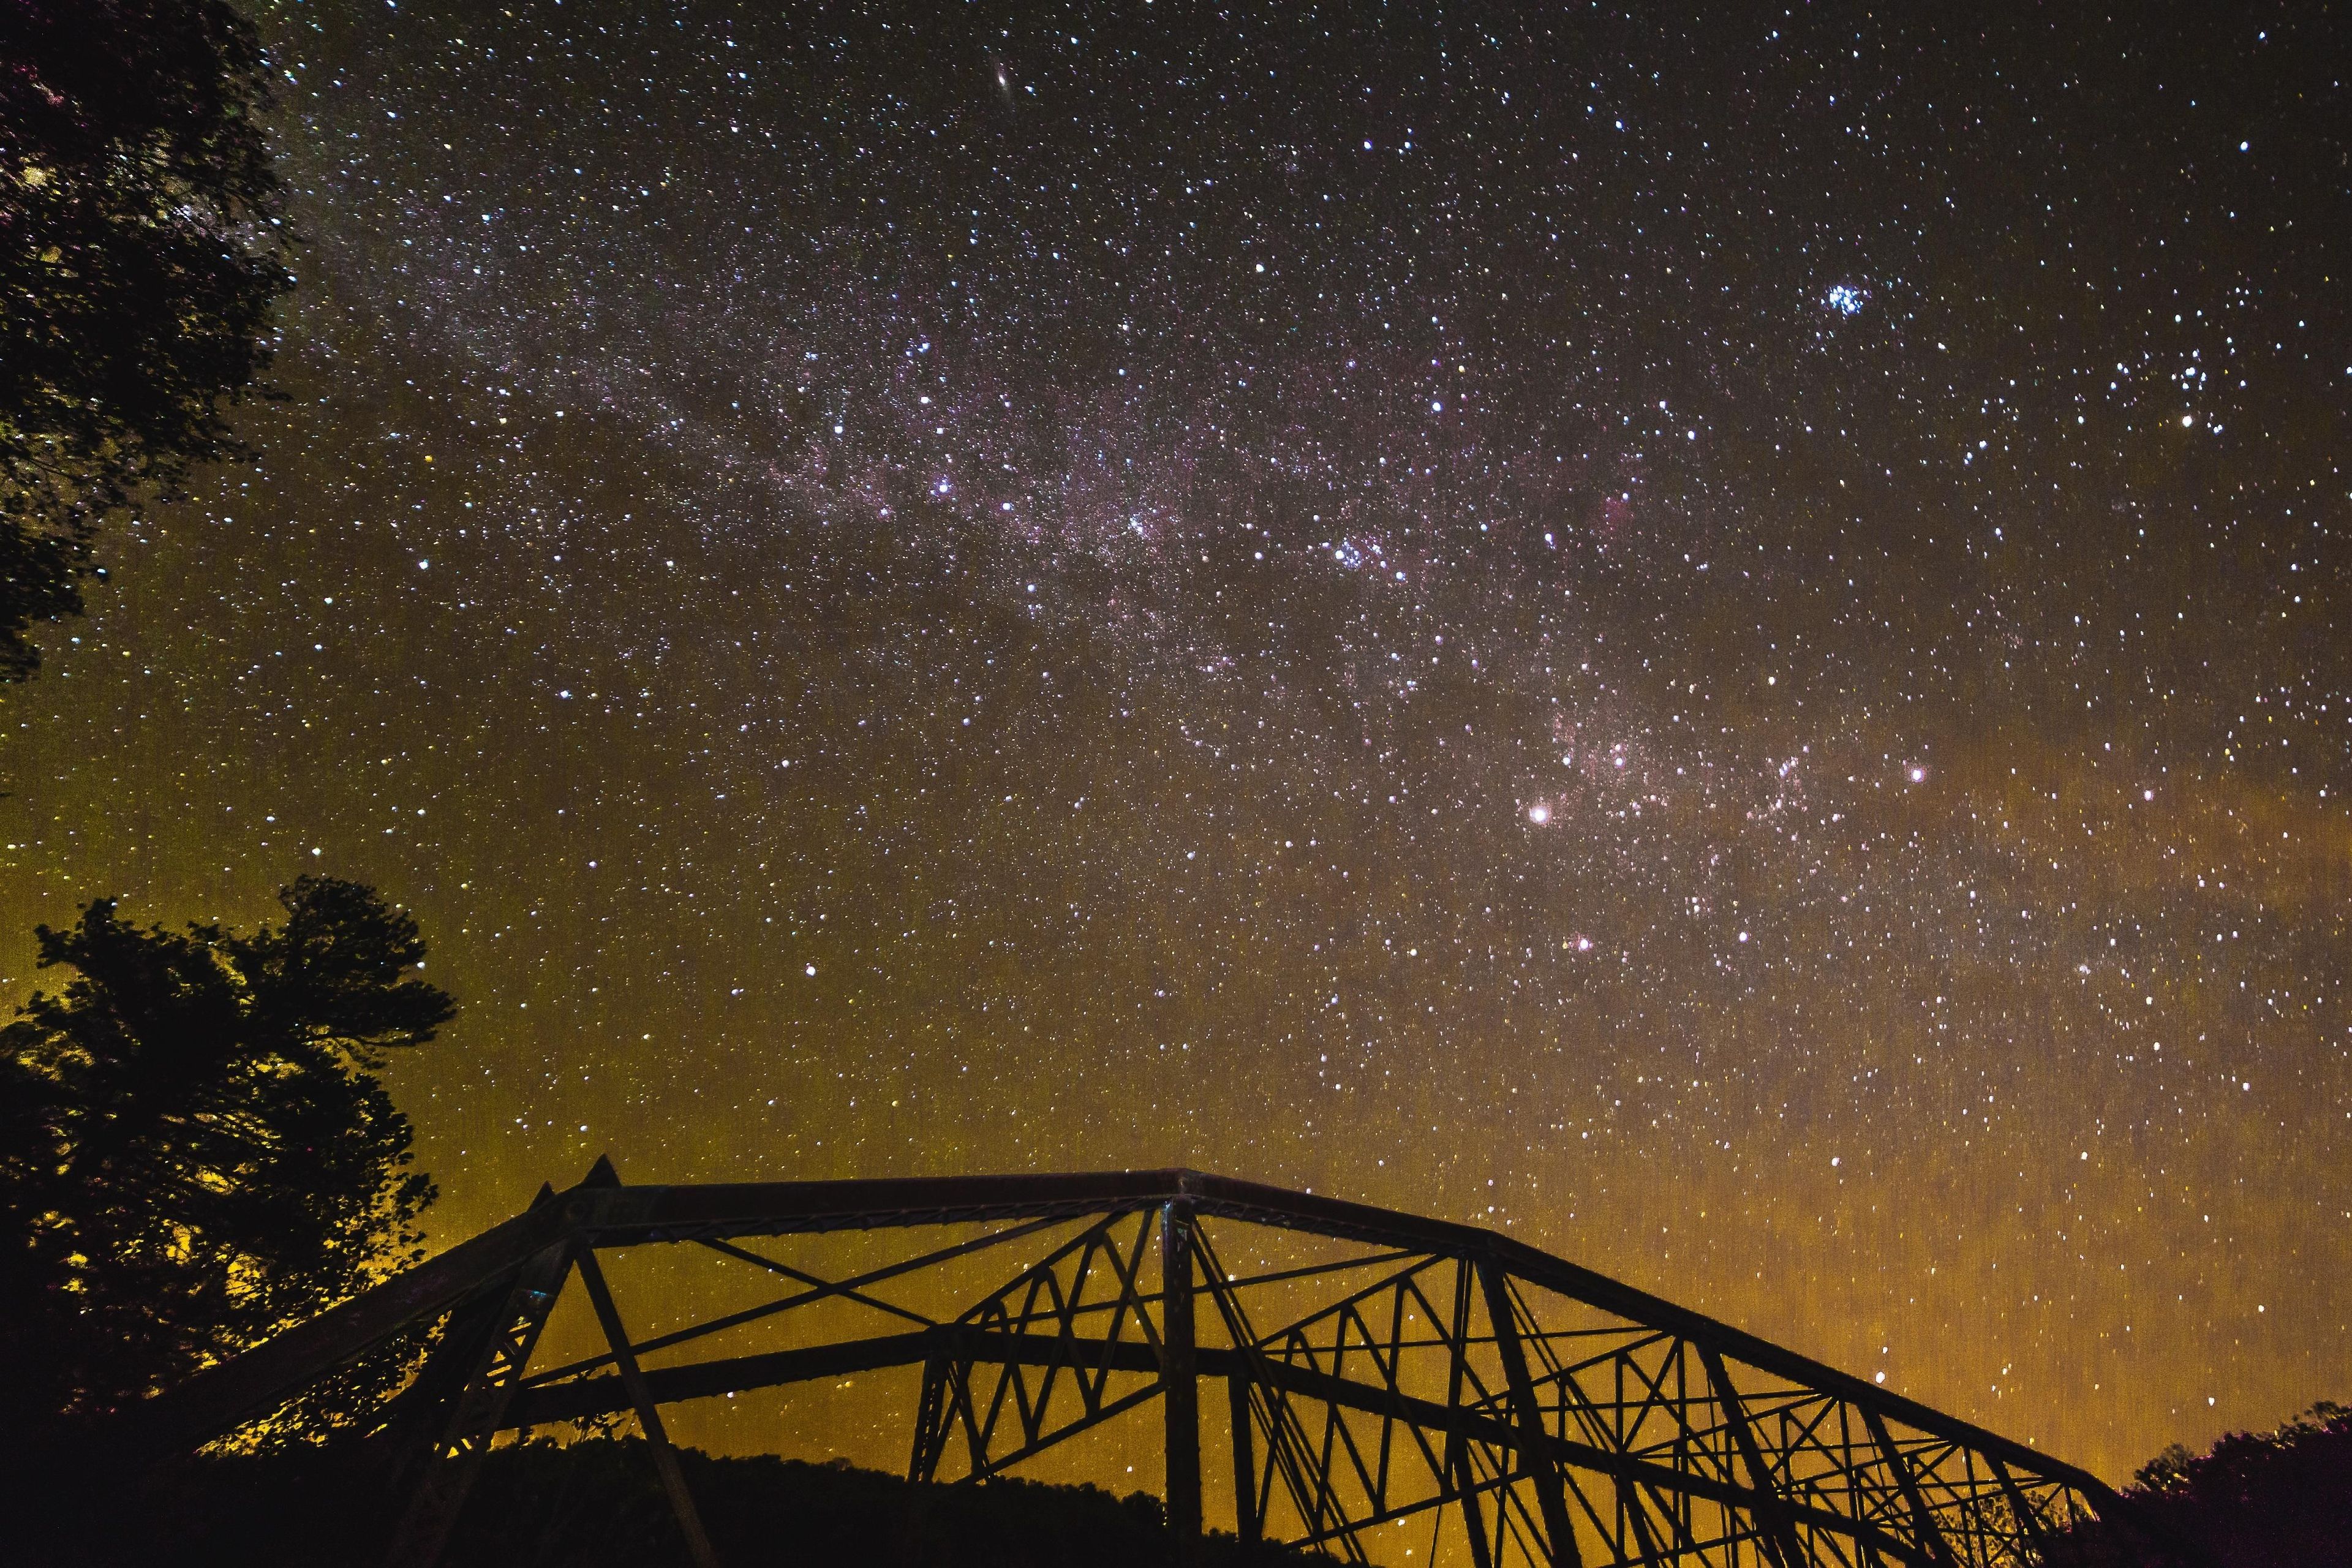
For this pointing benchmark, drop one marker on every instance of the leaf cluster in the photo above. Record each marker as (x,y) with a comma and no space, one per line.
(143,247)
(194,1151)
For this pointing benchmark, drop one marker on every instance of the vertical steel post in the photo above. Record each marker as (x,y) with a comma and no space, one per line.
(1542,1464)
(1181,1396)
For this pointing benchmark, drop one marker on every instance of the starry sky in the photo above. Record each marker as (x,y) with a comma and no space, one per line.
(1714,636)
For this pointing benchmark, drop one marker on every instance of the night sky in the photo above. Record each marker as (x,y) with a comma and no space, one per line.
(1718,639)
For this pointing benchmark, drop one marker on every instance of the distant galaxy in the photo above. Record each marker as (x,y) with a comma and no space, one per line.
(1715,638)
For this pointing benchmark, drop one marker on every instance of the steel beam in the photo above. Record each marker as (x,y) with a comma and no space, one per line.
(498,1351)
(625,1359)
(1248,1527)
(2028,1519)
(1771,1509)
(216,1401)
(605,1395)
(1543,1466)
(1178,1373)
(1923,1517)
(1457,1447)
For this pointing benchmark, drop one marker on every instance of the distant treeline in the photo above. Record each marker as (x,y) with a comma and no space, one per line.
(598,1504)
(2255,1499)
(2281,1499)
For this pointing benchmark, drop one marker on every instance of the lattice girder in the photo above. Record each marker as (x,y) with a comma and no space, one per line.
(1381,1373)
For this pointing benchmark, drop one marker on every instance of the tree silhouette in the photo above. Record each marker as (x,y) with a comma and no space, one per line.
(142,249)
(2255,1499)
(193,1148)
(2258,1499)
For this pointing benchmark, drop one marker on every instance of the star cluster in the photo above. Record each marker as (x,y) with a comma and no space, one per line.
(1715,640)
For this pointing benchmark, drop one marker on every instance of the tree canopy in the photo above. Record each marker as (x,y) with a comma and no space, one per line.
(142,246)
(2258,1499)
(2281,1499)
(194,1148)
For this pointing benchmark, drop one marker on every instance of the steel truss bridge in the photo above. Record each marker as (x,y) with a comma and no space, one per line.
(1365,1368)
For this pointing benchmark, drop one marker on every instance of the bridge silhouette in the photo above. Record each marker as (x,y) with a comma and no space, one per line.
(1376,1367)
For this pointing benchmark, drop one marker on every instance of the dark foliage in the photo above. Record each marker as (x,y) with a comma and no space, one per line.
(597,1503)
(2259,1499)
(193,1151)
(2256,1500)
(142,249)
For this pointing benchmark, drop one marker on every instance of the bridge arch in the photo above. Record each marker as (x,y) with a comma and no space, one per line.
(1362,1368)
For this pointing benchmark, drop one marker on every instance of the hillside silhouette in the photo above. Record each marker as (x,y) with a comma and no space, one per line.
(597,1504)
